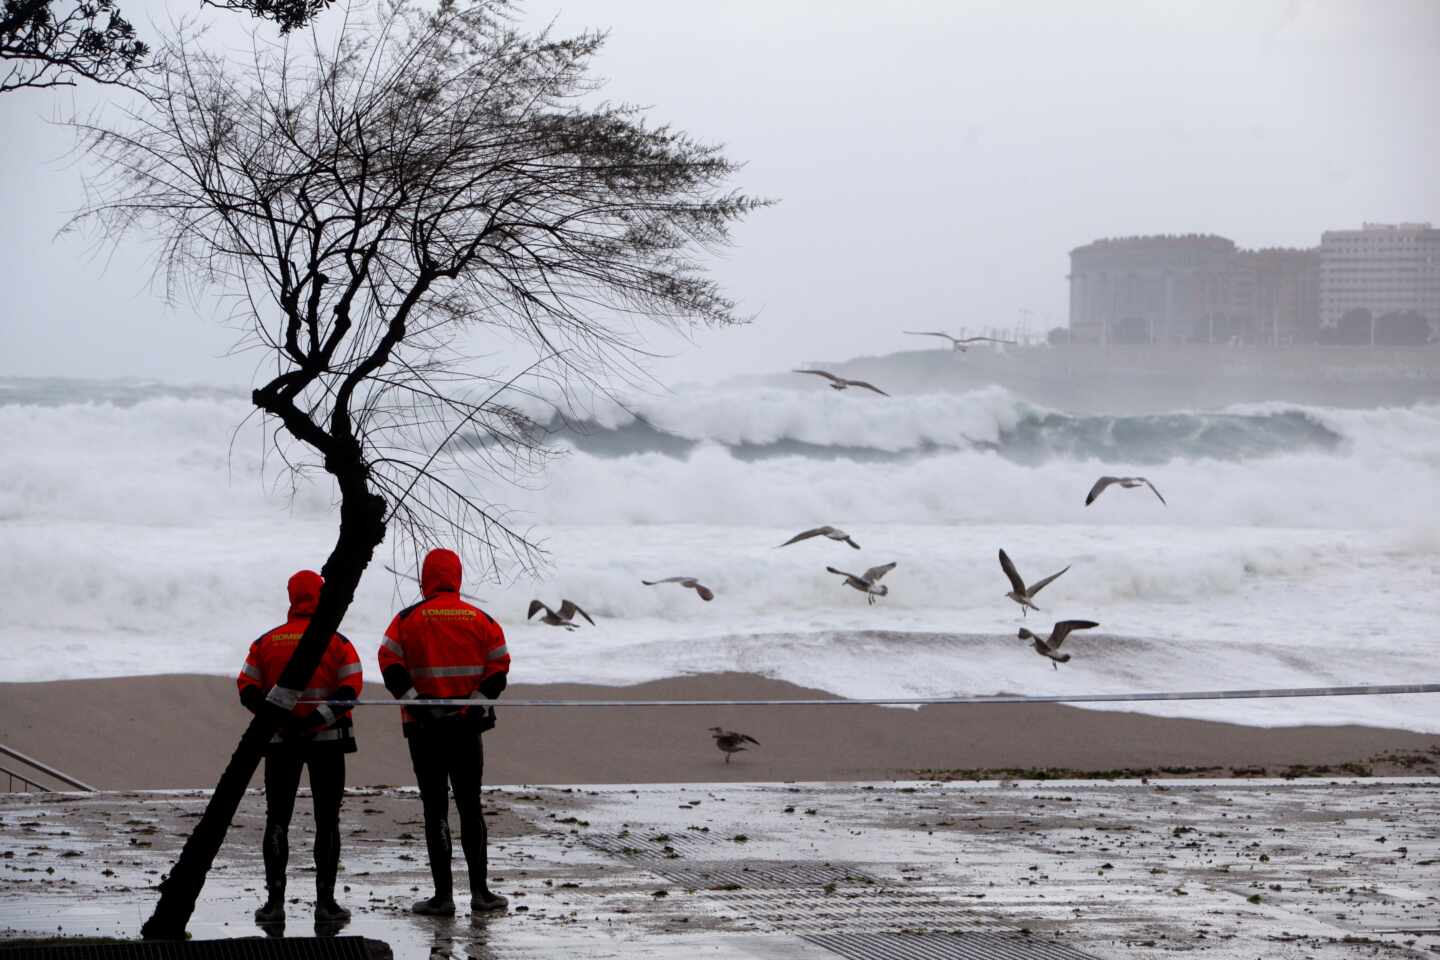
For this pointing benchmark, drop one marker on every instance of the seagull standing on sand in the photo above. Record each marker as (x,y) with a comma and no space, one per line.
(1050,646)
(705,592)
(869,582)
(840,383)
(730,742)
(1126,482)
(834,533)
(1021,594)
(957,342)
(565,618)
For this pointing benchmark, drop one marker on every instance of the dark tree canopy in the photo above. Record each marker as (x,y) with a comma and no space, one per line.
(1403,328)
(50,43)
(288,14)
(1353,329)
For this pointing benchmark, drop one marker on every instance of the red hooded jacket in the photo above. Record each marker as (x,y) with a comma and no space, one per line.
(448,646)
(340,667)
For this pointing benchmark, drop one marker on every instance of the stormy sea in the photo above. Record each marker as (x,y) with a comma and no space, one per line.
(147,530)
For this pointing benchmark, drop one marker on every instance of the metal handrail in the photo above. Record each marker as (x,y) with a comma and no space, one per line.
(17,775)
(64,778)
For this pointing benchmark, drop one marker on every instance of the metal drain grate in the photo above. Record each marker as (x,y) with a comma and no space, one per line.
(760,874)
(653,846)
(851,911)
(942,946)
(792,896)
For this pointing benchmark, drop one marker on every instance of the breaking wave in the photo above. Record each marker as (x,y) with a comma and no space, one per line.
(140,453)
(766,422)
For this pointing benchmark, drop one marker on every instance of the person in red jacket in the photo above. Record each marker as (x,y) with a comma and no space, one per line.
(314,736)
(445,648)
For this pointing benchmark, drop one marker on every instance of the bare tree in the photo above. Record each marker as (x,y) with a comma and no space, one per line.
(432,175)
(53,43)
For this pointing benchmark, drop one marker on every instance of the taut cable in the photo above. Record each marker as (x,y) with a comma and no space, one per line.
(1270,694)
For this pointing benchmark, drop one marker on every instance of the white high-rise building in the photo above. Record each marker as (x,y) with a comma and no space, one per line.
(1381,274)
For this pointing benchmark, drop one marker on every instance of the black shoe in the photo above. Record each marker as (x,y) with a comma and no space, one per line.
(273,911)
(436,906)
(488,902)
(328,911)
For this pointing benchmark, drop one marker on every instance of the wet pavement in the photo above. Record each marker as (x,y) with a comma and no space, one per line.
(1209,869)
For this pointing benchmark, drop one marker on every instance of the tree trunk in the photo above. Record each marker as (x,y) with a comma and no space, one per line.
(362,528)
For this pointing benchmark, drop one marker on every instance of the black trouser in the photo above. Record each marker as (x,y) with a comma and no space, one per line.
(445,754)
(327,787)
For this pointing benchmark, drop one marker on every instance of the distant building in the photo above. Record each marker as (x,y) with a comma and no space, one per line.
(1381,283)
(1194,288)
(1286,304)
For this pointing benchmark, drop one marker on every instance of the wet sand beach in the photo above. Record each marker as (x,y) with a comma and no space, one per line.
(177,731)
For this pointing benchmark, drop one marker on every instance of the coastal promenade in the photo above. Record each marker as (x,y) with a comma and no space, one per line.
(1136,379)
(1219,870)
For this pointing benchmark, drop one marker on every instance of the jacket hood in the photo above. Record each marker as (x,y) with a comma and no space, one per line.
(305,593)
(440,573)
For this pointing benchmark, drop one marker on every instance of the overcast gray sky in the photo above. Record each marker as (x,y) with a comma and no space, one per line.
(935,161)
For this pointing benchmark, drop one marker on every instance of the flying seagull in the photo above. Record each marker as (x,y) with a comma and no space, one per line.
(869,582)
(834,533)
(1021,594)
(705,592)
(730,741)
(1126,482)
(565,618)
(1050,646)
(840,383)
(957,342)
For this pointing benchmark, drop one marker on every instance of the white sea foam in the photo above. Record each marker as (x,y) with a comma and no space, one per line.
(138,538)
(712,486)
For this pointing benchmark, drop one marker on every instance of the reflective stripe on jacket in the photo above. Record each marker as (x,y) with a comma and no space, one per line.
(448,646)
(339,667)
